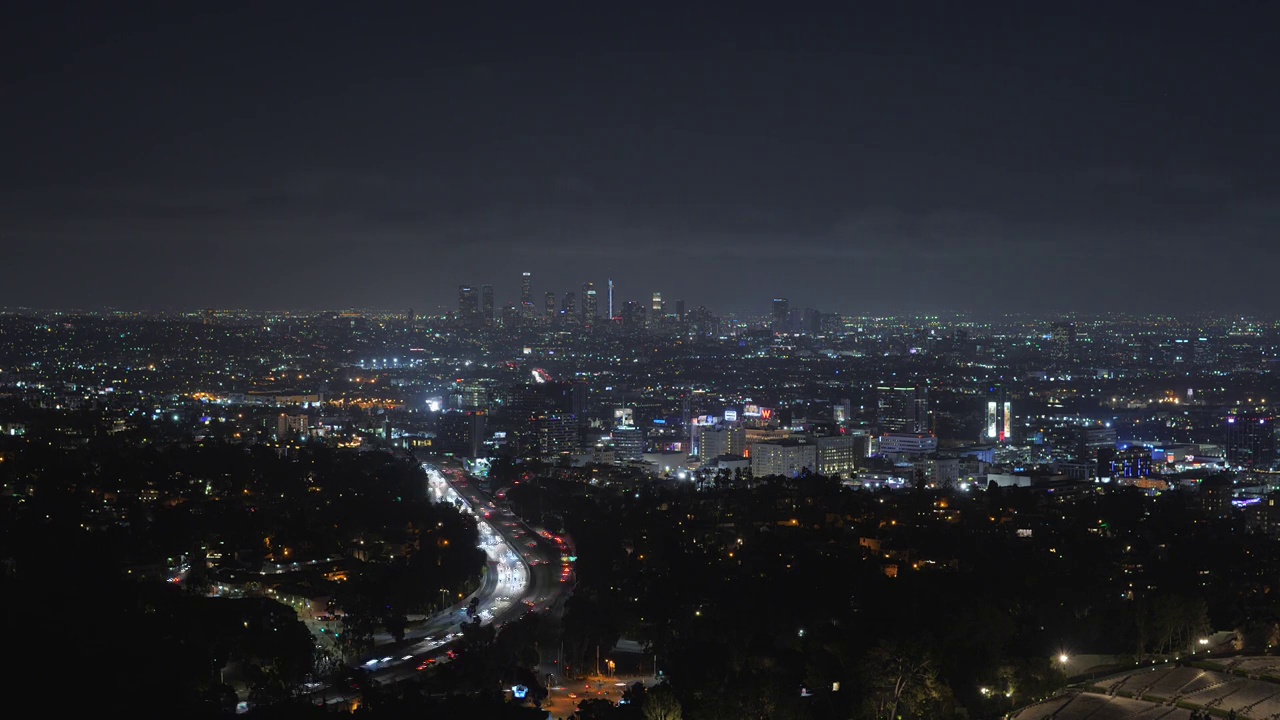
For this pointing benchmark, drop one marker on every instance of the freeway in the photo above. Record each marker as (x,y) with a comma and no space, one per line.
(537,553)
(523,574)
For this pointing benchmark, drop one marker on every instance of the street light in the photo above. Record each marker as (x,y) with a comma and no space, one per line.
(1064,658)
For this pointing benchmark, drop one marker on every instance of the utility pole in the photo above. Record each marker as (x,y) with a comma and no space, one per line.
(597,661)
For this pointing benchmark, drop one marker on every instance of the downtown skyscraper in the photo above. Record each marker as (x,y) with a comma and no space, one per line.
(589,311)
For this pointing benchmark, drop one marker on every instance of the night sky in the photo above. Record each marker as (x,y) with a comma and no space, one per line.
(897,157)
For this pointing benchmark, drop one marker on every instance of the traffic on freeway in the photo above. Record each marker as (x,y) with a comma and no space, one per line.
(522,575)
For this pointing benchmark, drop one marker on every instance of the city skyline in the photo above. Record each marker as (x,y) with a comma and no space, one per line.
(910,361)
(884,159)
(406,501)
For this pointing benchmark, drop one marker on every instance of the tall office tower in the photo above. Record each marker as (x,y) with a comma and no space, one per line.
(812,322)
(687,430)
(611,300)
(557,433)
(632,314)
(549,306)
(526,296)
(464,432)
(999,425)
(628,442)
(904,409)
(1251,441)
(579,399)
(1062,341)
(588,303)
(486,303)
(569,307)
(468,307)
(510,316)
(781,314)
(656,308)
(679,311)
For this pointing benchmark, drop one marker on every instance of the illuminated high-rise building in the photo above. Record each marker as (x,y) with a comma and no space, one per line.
(628,441)
(998,427)
(838,455)
(468,305)
(510,316)
(1062,341)
(656,307)
(526,296)
(632,314)
(781,314)
(611,300)
(569,307)
(486,303)
(549,306)
(904,409)
(557,433)
(588,302)
(1251,441)
(717,440)
(788,457)
(579,400)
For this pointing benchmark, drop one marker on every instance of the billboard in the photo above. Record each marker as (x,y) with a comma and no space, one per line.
(1007,434)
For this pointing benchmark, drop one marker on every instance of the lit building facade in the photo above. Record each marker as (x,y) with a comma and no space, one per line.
(788,458)
(904,409)
(717,440)
(838,455)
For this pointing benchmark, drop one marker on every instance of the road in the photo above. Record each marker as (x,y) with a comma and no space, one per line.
(538,557)
(523,574)
(563,699)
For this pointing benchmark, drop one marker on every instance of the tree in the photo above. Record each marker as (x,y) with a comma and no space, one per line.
(395,621)
(903,681)
(595,709)
(1170,623)
(661,704)
(356,637)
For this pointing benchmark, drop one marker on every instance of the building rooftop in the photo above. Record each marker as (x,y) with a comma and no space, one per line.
(1171,692)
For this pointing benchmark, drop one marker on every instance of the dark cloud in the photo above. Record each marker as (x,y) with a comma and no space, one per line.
(883,158)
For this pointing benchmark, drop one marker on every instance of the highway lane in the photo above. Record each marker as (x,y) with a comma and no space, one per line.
(538,556)
(523,574)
